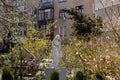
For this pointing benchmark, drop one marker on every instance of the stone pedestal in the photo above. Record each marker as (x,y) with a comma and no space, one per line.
(62,73)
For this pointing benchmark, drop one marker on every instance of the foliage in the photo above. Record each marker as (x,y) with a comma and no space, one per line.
(39,76)
(83,25)
(98,76)
(79,76)
(6,75)
(96,55)
(12,60)
(99,54)
(16,23)
(32,33)
(54,75)
(39,47)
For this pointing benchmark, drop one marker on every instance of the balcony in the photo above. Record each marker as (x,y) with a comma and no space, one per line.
(46,5)
(44,22)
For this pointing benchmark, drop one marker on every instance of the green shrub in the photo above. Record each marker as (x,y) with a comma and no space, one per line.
(39,76)
(6,75)
(54,75)
(98,76)
(70,78)
(79,76)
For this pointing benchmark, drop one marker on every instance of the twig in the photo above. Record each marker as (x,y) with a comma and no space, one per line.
(19,42)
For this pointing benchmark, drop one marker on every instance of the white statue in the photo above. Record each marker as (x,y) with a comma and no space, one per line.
(56,51)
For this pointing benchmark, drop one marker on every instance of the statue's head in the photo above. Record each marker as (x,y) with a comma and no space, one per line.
(57,37)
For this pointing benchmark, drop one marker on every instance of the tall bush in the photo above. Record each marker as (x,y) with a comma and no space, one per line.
(84,25)
(98,76)
(6,75)
(54,75)
(79,76)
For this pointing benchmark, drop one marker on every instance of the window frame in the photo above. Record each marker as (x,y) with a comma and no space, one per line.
(80,8)
(63,31)
(62,15)
(45,1)
(60,1)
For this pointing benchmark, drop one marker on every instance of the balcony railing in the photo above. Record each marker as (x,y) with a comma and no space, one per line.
(44,22)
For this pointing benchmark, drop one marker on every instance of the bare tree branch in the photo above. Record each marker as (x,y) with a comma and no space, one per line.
(19,42)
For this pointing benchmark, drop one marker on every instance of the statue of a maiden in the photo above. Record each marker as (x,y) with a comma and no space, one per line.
(56,51)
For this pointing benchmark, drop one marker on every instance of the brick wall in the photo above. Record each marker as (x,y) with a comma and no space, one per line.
(88,9)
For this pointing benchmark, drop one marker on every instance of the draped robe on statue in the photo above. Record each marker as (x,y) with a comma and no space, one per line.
(56,51)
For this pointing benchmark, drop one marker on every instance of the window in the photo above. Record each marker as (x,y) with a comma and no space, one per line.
(80,8)
(42,27)
(21,8)
(62,15)
(47,14)
(33,11)
(63,31)
(20,4)
(41,15)
(62,0)
(49,0)
(44,1)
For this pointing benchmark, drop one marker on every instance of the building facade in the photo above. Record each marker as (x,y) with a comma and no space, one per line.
(109,11)
(18,12)
(63,25)
(45,15)
(51,10)
(27,8)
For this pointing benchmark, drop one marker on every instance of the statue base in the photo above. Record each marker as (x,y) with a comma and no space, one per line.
(62,73)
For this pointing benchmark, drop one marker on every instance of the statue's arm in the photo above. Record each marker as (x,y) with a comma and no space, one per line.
(56,44)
